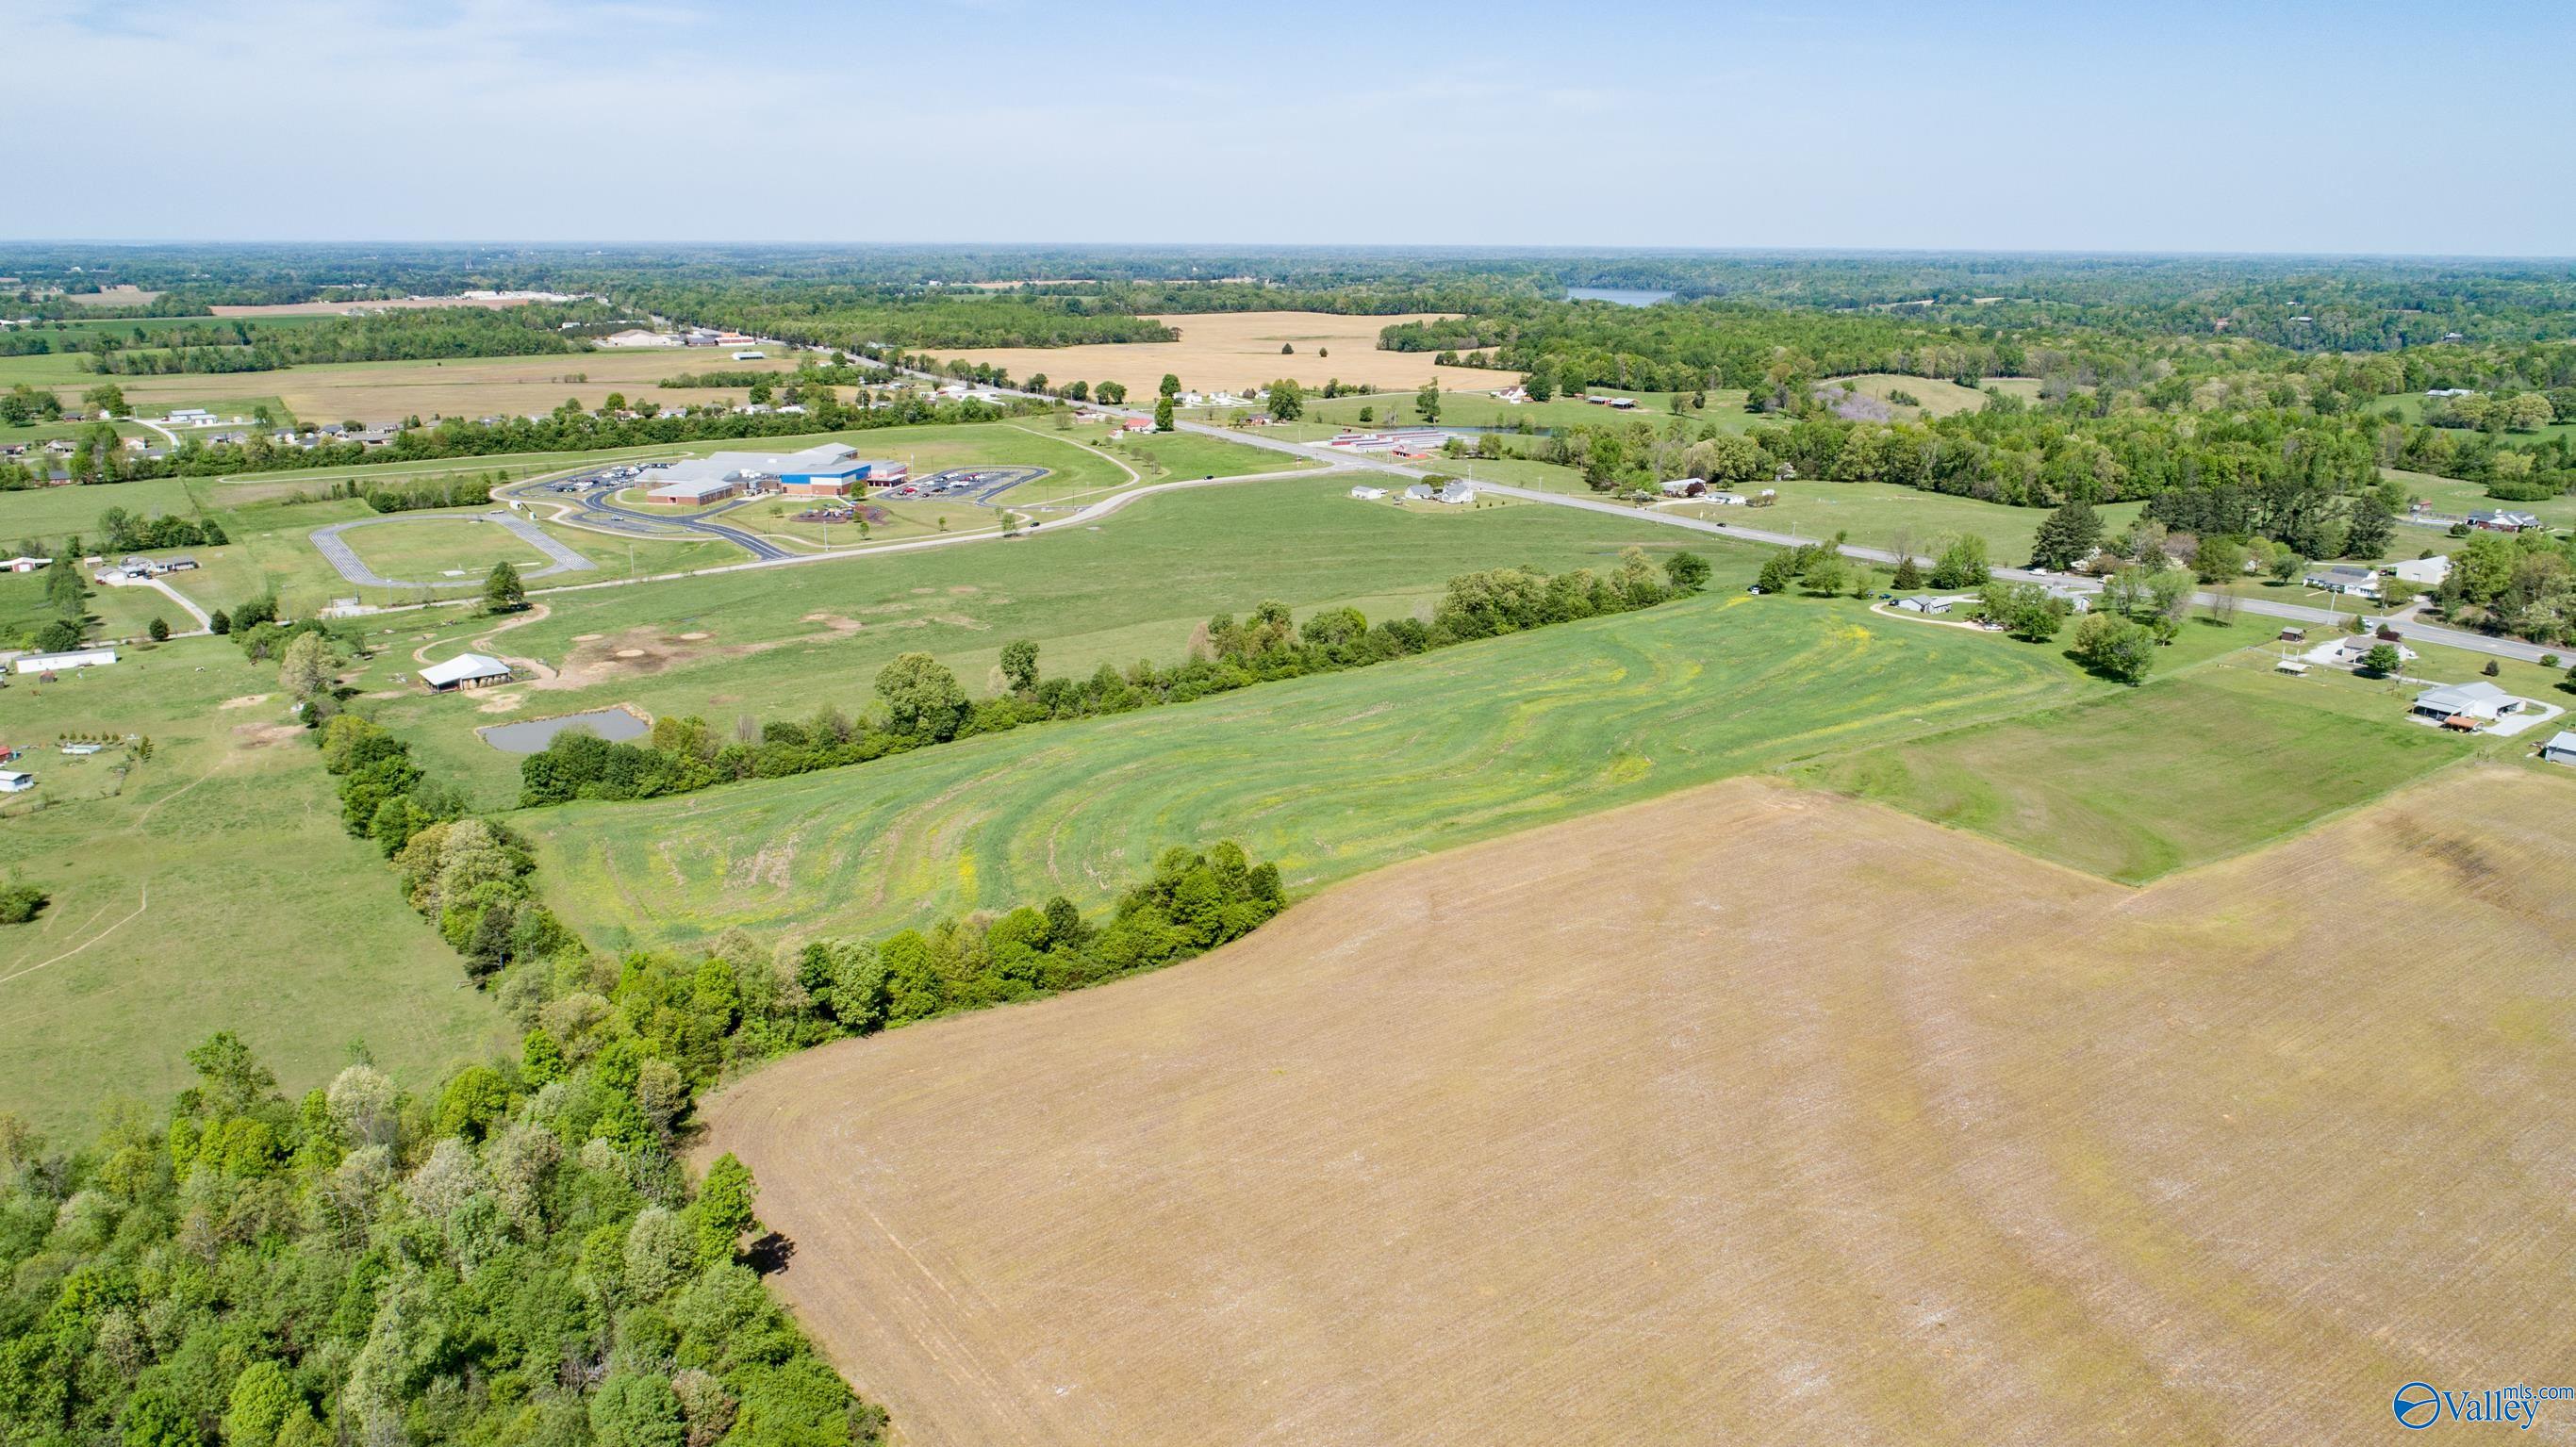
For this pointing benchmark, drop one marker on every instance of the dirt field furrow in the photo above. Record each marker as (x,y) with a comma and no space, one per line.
(1746,1115)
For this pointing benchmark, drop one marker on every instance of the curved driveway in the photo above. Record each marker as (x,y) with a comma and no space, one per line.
(351,567)
(600,511)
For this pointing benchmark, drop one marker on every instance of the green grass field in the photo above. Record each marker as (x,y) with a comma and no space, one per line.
(2175,774)
(2410,407)
(211,888)
(1188,454)
(1330,776)
(1876,513)
(449,549)
(1933,396)
(788,640)
(2459,498)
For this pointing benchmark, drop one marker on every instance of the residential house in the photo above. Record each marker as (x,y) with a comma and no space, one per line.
(2350,651)
(2561,748)
(55,662)
(19,781)
(1685,487)
(2503,520)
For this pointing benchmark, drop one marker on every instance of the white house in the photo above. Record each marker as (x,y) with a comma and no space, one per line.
(1724,499)
(465,670)
(19,781)
(2561,748)
(2479,703)
(1368,494)
(2353,648)
(55,662)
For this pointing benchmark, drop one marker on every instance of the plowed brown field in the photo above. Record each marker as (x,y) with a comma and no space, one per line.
(1745,1115)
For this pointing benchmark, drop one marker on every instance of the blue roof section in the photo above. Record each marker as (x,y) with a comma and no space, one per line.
(850,467)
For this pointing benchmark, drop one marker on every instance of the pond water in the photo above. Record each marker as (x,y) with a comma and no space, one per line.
(529,736)
(1619,295)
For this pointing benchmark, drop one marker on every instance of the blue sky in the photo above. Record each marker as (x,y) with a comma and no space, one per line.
(2189,127)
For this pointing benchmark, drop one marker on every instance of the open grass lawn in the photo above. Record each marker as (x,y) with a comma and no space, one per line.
(1188,454)
(1330,776)
(789,640)
(2459,498)
(211,888)
(1748,1115)
(447,549)
(2177,773)
(1876,513)
(49,514)
(112,613)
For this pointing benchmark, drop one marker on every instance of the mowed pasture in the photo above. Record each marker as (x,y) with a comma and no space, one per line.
(209,888)
(783,642)
(1239,350)
(1881,514)
(1748,1115)
(1330,775)
(2138,784)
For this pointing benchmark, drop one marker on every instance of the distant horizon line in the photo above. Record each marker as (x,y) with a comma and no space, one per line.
(1474,249)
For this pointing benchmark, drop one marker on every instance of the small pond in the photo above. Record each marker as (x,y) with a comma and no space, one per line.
(529,736)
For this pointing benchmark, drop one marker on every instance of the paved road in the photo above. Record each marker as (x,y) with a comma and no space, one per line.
(351,567)
(599,509)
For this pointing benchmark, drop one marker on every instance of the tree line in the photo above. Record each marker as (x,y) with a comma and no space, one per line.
(919,703)
(410,335)
(514,1253)
(568,428)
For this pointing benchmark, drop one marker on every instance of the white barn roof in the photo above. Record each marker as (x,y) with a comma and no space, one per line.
(462,667)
